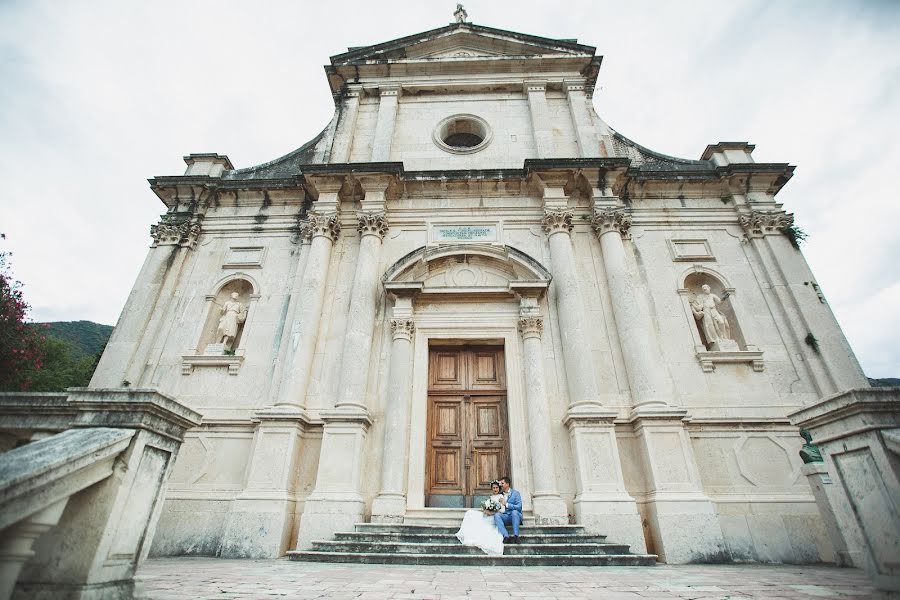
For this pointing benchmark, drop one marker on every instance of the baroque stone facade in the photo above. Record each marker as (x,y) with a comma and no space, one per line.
(654,324)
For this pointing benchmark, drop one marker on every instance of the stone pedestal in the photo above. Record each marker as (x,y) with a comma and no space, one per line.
(682,519)
(828,499)
(336,504)
(602,505)
(262,516)
(854,431)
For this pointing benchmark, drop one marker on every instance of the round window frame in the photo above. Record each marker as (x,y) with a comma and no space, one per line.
(440,132)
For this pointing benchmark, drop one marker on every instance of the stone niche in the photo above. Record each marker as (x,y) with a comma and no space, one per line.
(729,348)
(209,350)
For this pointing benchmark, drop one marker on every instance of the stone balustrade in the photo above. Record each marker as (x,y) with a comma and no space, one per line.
(78,505)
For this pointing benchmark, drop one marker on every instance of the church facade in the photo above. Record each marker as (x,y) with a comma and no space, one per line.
(469,274)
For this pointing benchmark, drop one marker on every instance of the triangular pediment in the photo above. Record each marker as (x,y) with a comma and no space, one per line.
(463,40)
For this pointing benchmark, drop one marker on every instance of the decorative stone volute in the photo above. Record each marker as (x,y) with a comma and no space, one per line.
(758,222)
(531,327)
(371,224)
(402,328)
(611,219)
(325,225)
(557,221)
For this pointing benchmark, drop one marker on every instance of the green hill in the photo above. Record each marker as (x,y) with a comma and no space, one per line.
(86,337)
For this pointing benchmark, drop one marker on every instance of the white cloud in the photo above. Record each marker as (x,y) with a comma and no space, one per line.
(97,97)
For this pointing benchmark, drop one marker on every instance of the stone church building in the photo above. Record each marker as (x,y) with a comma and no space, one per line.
(469,274)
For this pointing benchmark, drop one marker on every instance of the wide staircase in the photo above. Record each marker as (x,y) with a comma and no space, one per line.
(418,544)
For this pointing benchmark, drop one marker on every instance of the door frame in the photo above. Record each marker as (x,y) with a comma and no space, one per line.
(473,328)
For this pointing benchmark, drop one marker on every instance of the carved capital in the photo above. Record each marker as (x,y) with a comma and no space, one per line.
(531,327)
(556,221)
(324,225)
(611,219)
(175,230)
(758,223)
(369,223)
(402,328)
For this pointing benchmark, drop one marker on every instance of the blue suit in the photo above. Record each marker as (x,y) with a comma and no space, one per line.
(513,514)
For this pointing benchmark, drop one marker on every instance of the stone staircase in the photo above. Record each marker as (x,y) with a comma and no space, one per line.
(409,544)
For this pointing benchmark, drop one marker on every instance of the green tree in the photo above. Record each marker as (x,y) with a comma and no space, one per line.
(63,367)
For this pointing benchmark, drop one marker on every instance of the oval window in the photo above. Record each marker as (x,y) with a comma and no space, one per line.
(462,134)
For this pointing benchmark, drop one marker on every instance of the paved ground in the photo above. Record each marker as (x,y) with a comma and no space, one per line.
(204,578)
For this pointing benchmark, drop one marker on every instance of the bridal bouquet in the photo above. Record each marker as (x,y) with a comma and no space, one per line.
(491,505)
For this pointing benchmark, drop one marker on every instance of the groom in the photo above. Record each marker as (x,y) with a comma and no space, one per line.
(512,500)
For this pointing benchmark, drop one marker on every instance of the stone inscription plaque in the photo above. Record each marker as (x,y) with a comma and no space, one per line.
(465,233)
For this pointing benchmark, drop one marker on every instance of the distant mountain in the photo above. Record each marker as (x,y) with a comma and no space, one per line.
(87,338)
(884,382)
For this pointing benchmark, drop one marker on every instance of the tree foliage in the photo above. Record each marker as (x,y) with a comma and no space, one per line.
(21,349)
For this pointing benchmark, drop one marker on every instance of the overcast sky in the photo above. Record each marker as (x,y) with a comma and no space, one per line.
(95,97)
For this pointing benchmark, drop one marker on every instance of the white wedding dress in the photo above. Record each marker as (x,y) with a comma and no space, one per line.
(478,529)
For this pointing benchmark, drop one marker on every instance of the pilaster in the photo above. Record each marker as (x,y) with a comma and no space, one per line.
(384,125)
(541,128)
(343,139)
(585,134)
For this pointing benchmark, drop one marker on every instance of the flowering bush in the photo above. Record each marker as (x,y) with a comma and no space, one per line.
(21,350)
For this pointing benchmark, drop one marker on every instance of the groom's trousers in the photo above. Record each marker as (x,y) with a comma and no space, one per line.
(512,517)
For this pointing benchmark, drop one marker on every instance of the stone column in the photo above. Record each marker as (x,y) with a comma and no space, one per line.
(324,229)
(343,140)
(536,92)
(602,504)
(549,508)
(648,378)
(390,504)
(357,348)
(585,134)
(384,125)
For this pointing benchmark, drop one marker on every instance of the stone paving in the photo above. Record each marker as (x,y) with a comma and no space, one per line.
(205,578)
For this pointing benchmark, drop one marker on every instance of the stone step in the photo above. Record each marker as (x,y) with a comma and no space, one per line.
(452,529)
(450,538)
(574,560)
(521,549)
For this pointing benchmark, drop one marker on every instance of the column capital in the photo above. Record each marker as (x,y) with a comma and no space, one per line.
(531,327)
(758,223)
(371,223)
(611,219)
(323,225)
(402,329)
(557,221)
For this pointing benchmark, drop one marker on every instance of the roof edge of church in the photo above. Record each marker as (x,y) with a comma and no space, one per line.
(357,53)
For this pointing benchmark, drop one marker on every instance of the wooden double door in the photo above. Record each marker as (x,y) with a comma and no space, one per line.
(468,433)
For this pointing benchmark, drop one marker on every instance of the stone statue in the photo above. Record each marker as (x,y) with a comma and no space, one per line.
(233,314)
(712,323)
(810,453)
(460,14)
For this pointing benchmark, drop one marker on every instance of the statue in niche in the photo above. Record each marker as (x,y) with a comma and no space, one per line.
(234,313)
(713,324)
(809,453)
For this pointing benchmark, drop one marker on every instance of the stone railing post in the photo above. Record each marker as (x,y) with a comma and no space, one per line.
(104,531)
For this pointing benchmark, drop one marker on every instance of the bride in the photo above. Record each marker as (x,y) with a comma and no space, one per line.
(478,528)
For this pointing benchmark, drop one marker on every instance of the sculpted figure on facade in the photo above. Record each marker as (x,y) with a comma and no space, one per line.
(234,313)
(713,324)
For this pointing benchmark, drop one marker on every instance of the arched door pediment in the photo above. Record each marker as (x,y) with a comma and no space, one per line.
(467,268)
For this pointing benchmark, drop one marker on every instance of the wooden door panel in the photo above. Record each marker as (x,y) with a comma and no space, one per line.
(446,420)
(446,370)
(488,421)
(485,370)
(447,471)
(487,465)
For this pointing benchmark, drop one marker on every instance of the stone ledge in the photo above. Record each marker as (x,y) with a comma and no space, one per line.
(191,361)
(709,359)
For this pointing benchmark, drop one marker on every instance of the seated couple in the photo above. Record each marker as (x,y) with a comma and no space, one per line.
(485,527)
